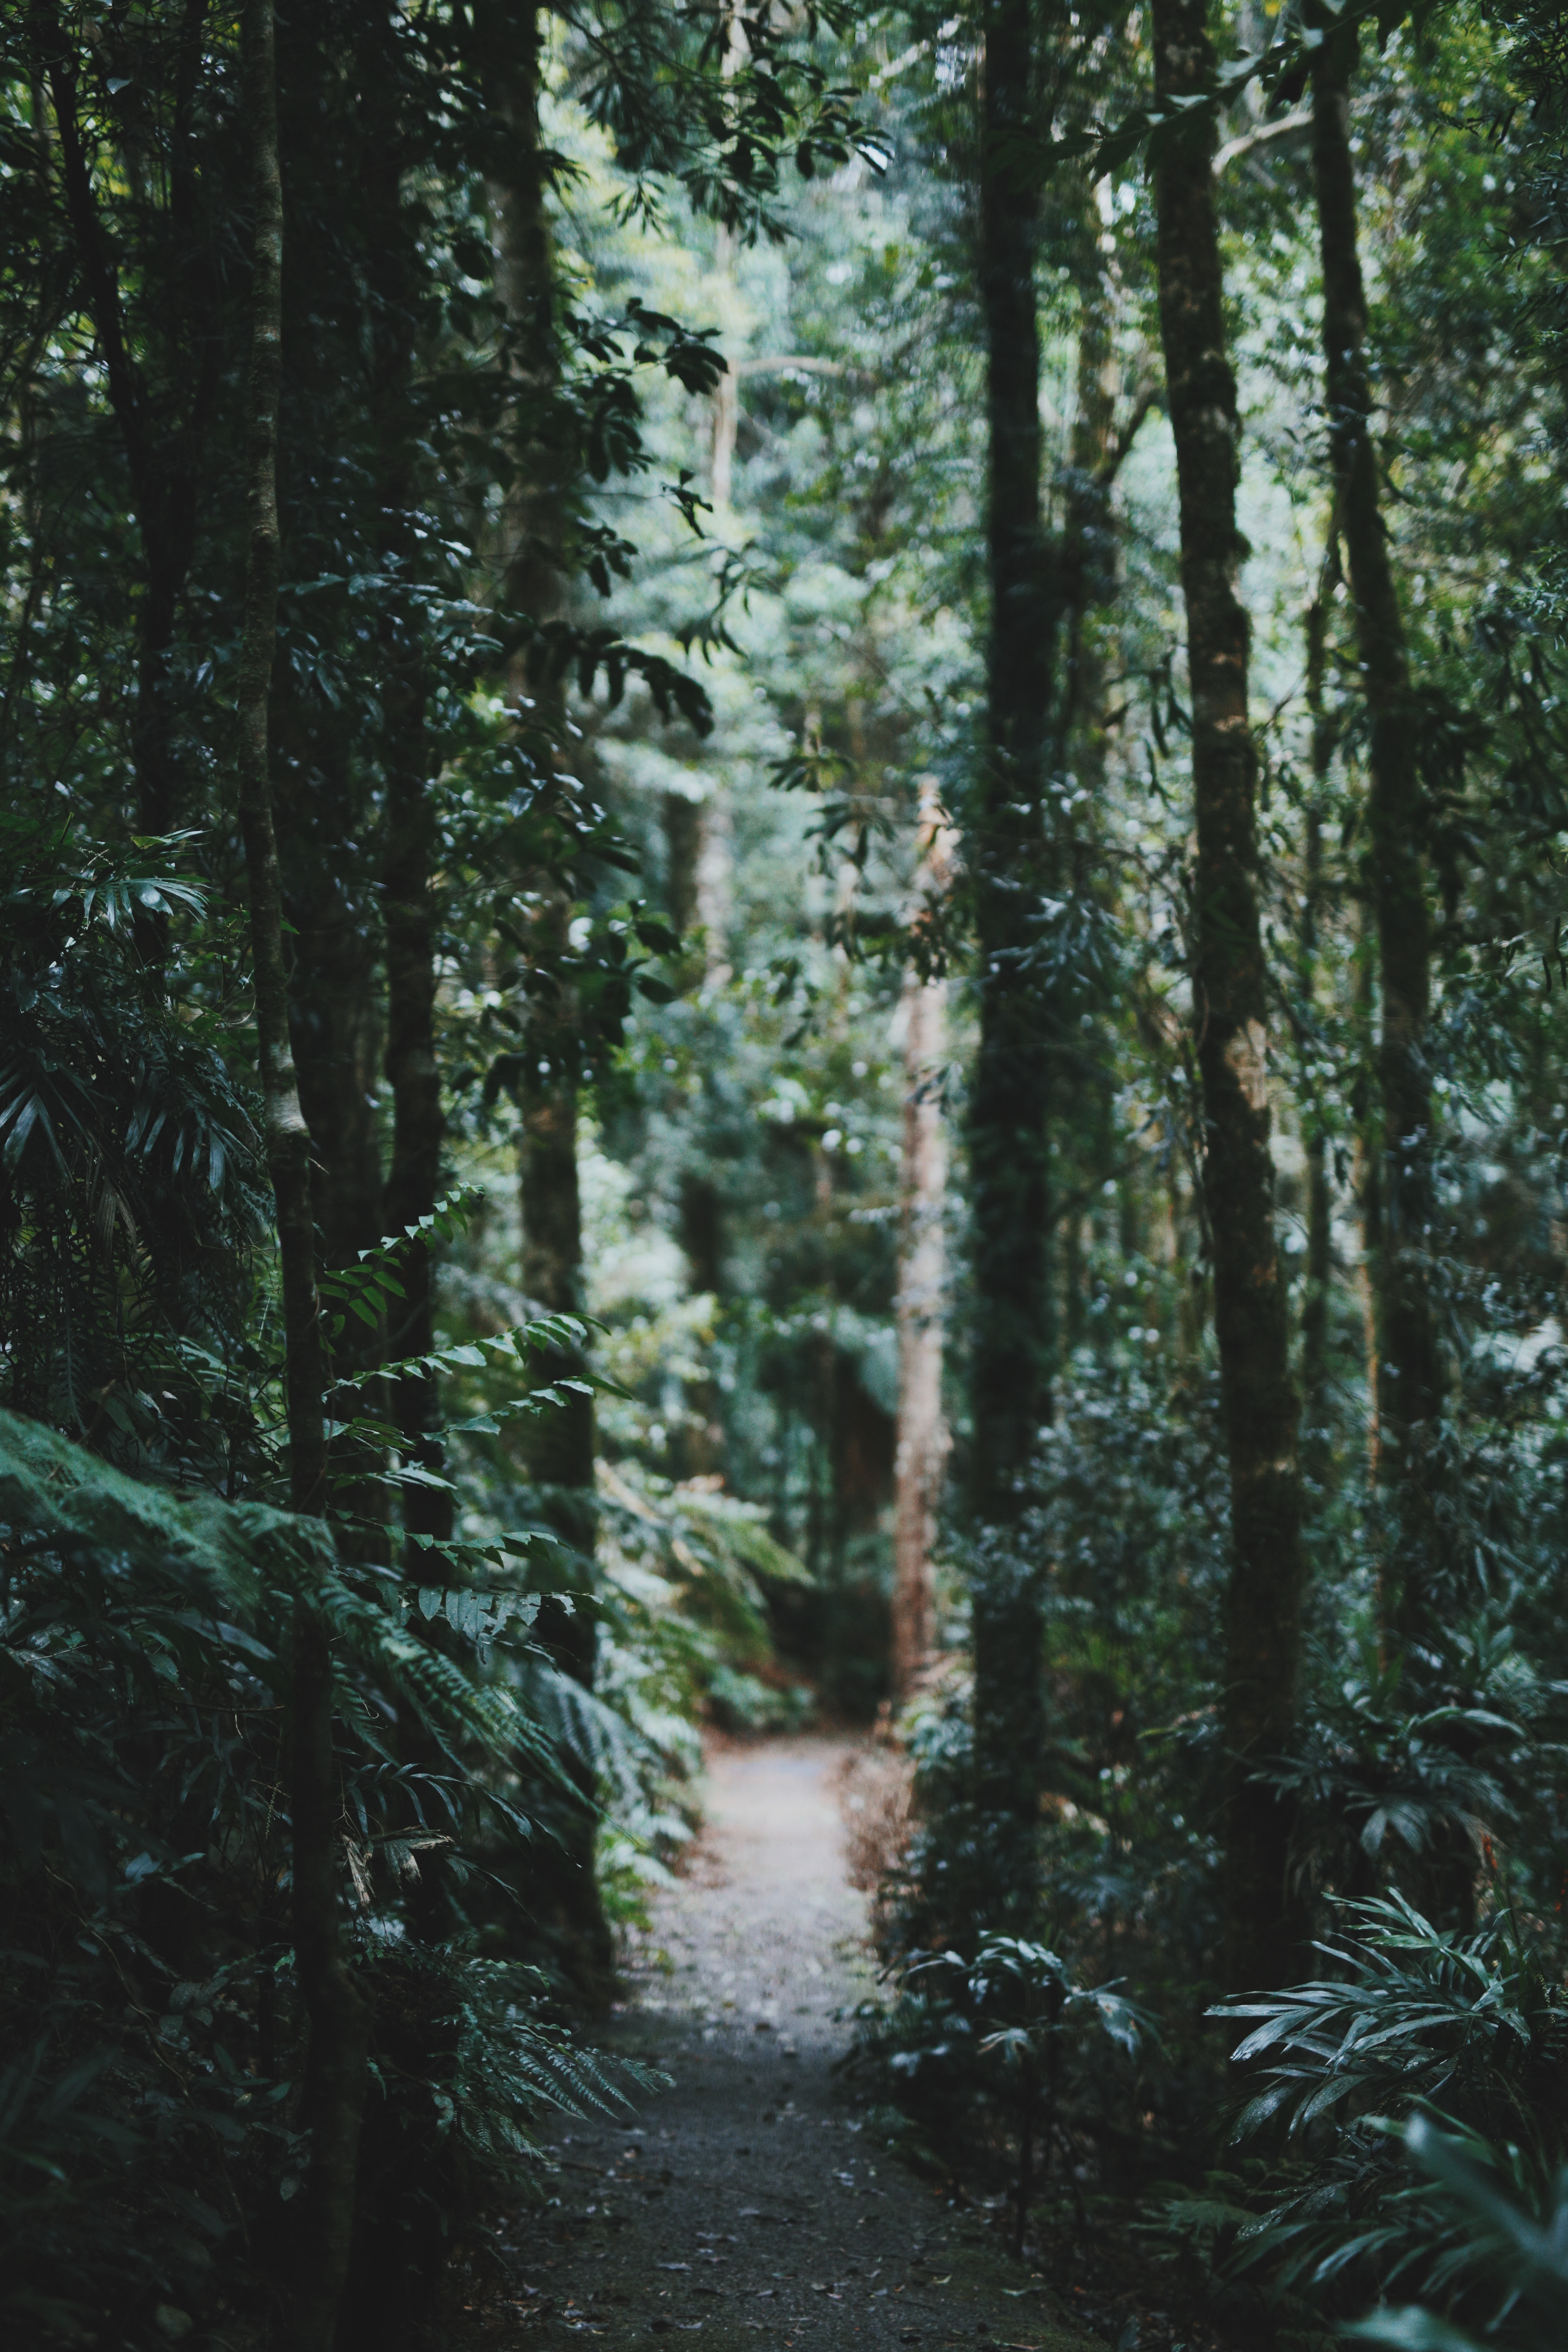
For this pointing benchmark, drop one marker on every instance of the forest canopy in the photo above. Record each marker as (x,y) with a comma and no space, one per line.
(783,796)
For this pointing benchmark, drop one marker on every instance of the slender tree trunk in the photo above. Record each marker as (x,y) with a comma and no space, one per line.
(408,904)
(1369,1198)
(530,546)
(683,831)
(726,432)
(1010,1094)
(922,1441)
(1264,1923)
(324,812)
(1089,579)
(1089,547)
(715,886)
(922,1433)
(560,1446)
(1317,1450)
(1410,1381)
(334,2084)
(337,1028)
(152,735)
(414,1179)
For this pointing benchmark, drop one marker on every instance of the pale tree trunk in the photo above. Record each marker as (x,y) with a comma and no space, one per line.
(725,396)
(1265,1922)
(922,1441)
(726,431)
(334,2084)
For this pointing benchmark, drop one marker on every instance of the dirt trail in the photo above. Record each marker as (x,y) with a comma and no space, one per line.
(746,2203)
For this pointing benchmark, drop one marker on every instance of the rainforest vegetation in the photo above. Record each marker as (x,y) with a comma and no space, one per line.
(783,841)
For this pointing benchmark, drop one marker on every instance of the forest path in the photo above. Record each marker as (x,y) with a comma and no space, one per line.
(745,2204)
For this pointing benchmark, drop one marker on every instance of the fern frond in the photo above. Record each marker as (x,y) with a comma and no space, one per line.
(47,1481)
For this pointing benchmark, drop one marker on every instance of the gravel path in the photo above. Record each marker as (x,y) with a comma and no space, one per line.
(746,2203)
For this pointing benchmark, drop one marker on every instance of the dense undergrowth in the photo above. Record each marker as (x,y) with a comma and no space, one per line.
(151,2139)
(1388,2133)
(744,827)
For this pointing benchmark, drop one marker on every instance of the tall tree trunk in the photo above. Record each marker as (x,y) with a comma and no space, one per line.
(1011,1091)
(511,45)
(922,1433)
(334,2084)
(1410,1381)
(412,1073)
(1369,1200)
(922,1441)
(726,432)
(560,1446)
(325,813)
(1088,549)
(715,886)
(683,831)
(1317,1448)
(411,842)
(1264,1922)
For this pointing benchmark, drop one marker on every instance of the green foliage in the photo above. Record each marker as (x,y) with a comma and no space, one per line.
(992,2049)
(768,238)
(1521,2243)
(144,1666)
(129,1164)
(1414,2025)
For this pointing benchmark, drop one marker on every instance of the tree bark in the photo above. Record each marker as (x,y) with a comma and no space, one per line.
(1410,1376)
(412,1073)
(411,836)
(683,831)
(922,1433)
(529,549)
(922,1441)
(1010,1096)
(560,1446)
(1264,1922)
(333,2096)
(325,801)
(1088,546)
(1316,1447)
